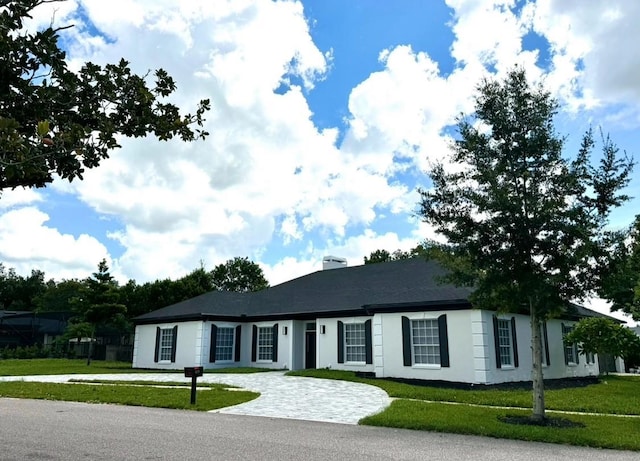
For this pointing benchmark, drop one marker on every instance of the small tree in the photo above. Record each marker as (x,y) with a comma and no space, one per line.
(54,121)
(598,335)
(524,226)
(98,304)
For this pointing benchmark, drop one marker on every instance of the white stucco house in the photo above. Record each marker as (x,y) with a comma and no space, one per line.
(389,319)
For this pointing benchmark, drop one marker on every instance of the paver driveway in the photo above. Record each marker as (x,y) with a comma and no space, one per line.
(281,396)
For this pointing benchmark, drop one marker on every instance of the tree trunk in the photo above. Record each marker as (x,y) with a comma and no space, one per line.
(537,376)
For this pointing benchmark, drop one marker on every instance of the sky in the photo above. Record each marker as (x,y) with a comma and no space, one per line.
(325,116)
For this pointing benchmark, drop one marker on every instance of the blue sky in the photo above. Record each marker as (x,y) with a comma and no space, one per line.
(325,116)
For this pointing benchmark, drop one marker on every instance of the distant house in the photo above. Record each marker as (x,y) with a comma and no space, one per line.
(390,319)
(26,328)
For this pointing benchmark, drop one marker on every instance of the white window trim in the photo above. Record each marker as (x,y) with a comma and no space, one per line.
(364,344)
(161,347)
(233,343)
(508,366)
(258,359)
(574,347)
(423,366)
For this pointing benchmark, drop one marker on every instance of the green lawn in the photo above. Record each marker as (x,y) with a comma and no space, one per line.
(211,397)
(599,431)
(16,367)
(613,394)
(30,367)
(423,408)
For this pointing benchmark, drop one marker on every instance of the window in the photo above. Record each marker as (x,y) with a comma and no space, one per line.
(570,350)
(354,342)
(166,339)
(425,342)
(224,344)
(265,343)
(506,343)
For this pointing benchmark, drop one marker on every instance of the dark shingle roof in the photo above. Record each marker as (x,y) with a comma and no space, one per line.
(409,283)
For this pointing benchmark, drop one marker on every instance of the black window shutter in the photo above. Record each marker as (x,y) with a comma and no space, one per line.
(212,348)
(496,341)
(444,340)
(254,343)
(545,337)
(157,352)
(564,346)
(406,341)
(237,351)
(575,353)
(367,342)
(340,342)
(514,337)
(274,347)
(174,344)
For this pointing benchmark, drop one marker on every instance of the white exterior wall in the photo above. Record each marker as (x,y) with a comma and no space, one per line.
(389,355)
(327,345)
(557,368)
(188,348)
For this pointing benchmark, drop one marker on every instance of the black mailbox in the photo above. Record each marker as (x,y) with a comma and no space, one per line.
(193,372)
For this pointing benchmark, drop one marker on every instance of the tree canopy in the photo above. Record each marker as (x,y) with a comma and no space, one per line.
(54,121)
(381,256)
(598,335)
(621,275)
(524,225)
(239,274)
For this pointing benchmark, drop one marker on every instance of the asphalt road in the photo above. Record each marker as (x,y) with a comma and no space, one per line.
(46,430)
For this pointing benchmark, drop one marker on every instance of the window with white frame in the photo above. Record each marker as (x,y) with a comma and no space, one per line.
(265,343)
(504,342)
(354,342)
(425,341)
(166,344)
(570,350)
(224,344)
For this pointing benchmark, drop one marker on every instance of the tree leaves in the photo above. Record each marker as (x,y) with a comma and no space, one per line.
(57,122)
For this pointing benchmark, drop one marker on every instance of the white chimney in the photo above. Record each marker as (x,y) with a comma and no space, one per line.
(333,262)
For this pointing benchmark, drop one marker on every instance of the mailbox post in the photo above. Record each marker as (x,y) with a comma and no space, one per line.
(193,373)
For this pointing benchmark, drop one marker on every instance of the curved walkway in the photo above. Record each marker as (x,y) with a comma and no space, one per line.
(281,396)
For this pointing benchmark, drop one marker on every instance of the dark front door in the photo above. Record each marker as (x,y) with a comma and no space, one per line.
(310,349)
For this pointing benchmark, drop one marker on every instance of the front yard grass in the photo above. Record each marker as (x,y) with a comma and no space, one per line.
(441,409)
(32,367)
(211,397)
(29,367)
(613,432)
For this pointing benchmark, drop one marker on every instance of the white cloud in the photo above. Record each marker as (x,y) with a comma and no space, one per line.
(26,243)
(20,196)
(266,173)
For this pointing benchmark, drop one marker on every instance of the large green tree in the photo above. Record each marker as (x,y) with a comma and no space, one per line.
(621,274)
(524,225)
(239,274)
(54,121)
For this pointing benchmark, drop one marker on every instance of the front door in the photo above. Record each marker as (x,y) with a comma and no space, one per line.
(310,349)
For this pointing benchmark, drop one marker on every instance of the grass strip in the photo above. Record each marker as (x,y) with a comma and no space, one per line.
(614,432)
(147,396)
(612,395)
(153,383)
